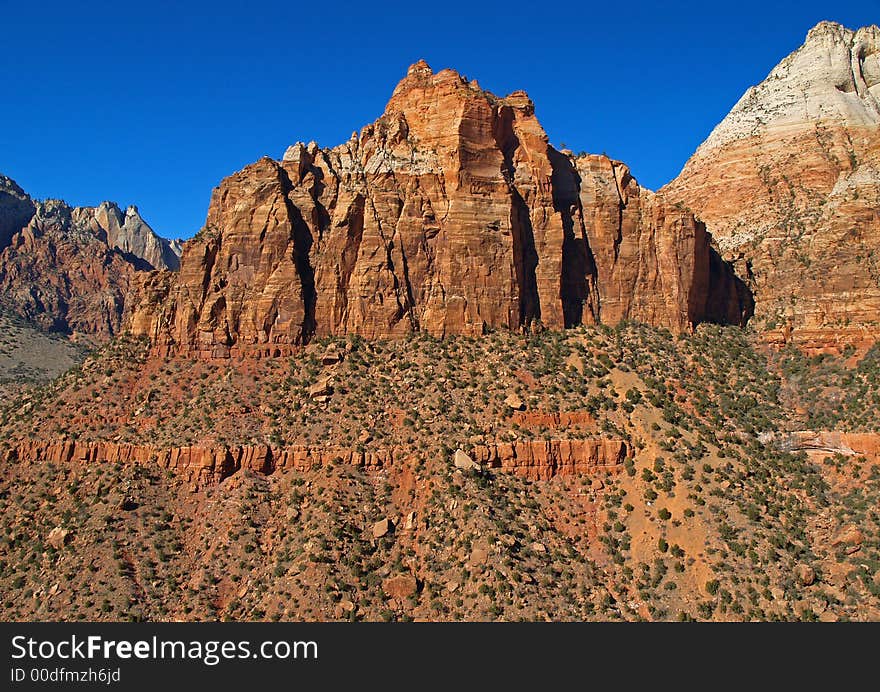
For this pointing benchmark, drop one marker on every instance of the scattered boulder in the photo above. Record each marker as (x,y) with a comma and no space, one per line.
(514,402)
(538,547)
(322,388)
(462,460)
(331,356)
(400,587)
(805,574)
(410,522)
(382,528)
(57,537)
(848,535)
(479,556)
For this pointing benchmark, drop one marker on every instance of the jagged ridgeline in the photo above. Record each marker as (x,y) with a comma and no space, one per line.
(69,269)
(450,215)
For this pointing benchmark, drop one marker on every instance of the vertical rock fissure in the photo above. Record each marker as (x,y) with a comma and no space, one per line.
(389,265)
(408,306)
(403,306)
(302,247)
(410,299)
(618,236)
(211,250)
(578,264)
(729,300)
(621,207)
(525,256)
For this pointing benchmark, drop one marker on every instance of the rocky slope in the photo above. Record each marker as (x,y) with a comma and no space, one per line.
(451,214)
(70,269)
(789,185)
(29,355)
(590,473)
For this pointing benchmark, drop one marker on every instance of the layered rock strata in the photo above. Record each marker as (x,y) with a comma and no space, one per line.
(451,214)
(204,465)
(789,186)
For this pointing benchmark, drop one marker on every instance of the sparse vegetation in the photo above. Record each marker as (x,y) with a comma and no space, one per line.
(709,517)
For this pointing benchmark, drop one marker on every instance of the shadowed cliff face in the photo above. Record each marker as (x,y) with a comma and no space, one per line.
(16,209)
(789,185)
(451,214)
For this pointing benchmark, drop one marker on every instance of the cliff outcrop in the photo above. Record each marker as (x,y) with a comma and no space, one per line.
(789,186)
(451,214)
(204,464)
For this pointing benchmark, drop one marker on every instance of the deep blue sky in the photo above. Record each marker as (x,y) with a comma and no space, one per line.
(154,105)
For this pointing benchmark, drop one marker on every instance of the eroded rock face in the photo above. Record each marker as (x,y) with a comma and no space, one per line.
(130,234)
(451,214)
(789,186)
(206,465)
(61,276)
(823,443)
(71,269)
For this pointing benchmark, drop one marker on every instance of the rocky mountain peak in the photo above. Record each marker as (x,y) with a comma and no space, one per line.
(450,214)
(9,187)
(789,183)
(833,76)
(422,82)
(130,234)
(70,268)
(420,68)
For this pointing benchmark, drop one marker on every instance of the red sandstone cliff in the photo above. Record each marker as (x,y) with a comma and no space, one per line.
(200,465)
(451,214)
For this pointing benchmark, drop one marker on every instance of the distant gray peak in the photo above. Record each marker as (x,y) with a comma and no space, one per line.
(16,209)
(10,187)
(127,231)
